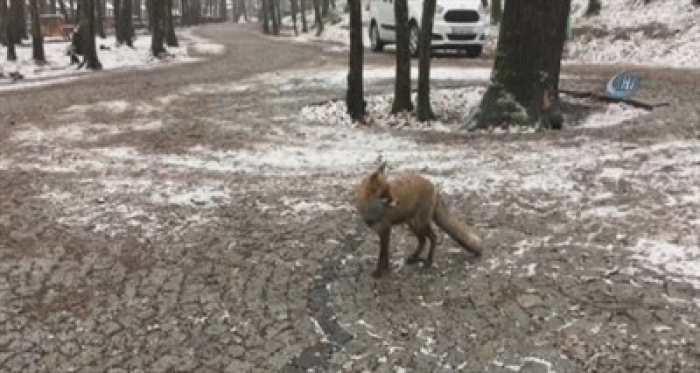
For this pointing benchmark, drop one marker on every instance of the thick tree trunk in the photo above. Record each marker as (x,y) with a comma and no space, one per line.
(7,31)
(304,25)
(319,19)
(87,24)
(355,96)
(100,19)
(402,86)
(37,38)
(16,20)
(170,37)
(3,22)
(524,86)
(424,110)
(496,12)
(52,6)
(324,7)
(157,33)
(124,26)
(594,7)
(24,32)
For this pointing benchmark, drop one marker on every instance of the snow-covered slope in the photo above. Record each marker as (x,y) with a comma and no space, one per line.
(661,33)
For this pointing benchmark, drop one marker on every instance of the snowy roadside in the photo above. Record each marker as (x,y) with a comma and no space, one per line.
(59,70)
(626,33)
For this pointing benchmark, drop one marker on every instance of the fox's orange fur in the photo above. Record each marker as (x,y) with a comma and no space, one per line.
(412,200)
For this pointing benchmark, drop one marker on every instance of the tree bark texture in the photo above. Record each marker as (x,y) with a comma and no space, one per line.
(355,95)
(304,25)
(424,111)
(170,37)
(100,19)
(319,18)
(157,32)
(124,23)
(3,22)
(87,24)
(16,19)
(402,86)
(527,65)
(37,38)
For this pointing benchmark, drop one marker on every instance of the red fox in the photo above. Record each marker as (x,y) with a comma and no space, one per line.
(412,200)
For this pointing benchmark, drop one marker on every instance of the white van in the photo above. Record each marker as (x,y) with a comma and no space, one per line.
(458,24)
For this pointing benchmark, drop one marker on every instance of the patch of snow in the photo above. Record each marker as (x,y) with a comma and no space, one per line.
(58,69)
(679,261)
(613,114)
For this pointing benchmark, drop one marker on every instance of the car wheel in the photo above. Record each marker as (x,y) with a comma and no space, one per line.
(474,51)
(414,37)
(376,42)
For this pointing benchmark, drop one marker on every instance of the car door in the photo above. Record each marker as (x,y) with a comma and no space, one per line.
(388,23)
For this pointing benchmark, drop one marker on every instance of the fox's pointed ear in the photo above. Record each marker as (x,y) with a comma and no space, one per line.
(382,168)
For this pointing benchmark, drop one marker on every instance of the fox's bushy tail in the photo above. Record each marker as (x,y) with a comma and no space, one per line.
(457,229)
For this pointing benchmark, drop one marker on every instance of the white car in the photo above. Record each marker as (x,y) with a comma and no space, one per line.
(458,24)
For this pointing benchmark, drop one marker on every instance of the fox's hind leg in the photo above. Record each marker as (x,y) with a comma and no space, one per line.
(415,257)
(432,237)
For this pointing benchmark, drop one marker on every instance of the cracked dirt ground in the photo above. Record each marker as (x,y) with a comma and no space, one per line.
(194,223)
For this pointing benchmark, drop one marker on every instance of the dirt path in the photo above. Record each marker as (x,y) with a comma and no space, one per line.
(189,221)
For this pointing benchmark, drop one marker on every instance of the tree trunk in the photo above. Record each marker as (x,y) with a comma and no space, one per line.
(7,30)
(223,11)
(273,6)
(304,7)
(16,20)
(100,19)
(37,37)
(87,24)
(52,6)
(24,32)
(170,37)
(295,10)
(424,110)
(124,23)
(496,12)
(524,86)
(157,33)
(319,19)
(325,8)
(402,86)
(355,96)
(3,22)
(265,12)
(594,7)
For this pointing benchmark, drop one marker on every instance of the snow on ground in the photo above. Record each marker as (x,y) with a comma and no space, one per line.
(452,108)
(58,68)
(661,33)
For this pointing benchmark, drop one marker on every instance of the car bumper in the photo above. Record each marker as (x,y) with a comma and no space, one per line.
(458,34)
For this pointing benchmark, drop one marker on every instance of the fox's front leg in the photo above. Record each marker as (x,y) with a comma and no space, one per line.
(383,265)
